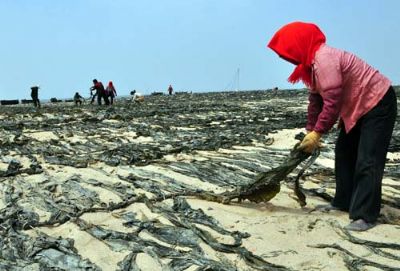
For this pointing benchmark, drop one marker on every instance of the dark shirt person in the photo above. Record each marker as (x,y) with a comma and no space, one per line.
(100,92)
(78,98)
(170,90)
(35,96)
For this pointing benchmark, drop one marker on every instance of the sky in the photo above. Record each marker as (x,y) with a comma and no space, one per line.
(195,45)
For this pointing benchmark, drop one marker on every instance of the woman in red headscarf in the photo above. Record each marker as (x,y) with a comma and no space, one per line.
(344,87)
(111,92)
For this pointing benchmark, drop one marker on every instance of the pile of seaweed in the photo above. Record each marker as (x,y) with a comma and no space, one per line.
(57,164)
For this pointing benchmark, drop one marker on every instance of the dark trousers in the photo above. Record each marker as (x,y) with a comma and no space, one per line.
(360,159)
(36,101)
(99,96)
(93,98)
(104,97)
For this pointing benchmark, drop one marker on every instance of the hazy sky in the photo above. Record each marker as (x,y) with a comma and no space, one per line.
(192,44)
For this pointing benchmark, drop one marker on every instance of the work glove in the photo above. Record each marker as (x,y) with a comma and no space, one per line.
(310,142)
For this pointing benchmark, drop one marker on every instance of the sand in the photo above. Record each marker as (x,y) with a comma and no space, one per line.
(280,230)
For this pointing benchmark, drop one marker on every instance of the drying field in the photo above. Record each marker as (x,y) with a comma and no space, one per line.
(107,188)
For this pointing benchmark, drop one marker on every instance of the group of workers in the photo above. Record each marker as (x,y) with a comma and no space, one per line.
(103,93)
(98,91)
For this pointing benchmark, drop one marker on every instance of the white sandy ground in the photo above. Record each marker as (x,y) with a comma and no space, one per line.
(284,139)
(41,136)
(281,231)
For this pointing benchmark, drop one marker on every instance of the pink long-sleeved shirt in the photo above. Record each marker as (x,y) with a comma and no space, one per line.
(344,86)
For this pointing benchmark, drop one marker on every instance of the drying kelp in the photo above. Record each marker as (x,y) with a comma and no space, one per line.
(354,262)
(102,188)
(267,184)
(224,126)
(183,233)
(15,168)
(21,252)
(70,201)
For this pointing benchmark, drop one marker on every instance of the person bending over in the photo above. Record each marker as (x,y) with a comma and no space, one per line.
(342,86)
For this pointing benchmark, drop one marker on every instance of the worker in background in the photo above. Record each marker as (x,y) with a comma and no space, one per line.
(35,96)
(137,97)
(111,92)
(99,92)
(170,90)
(78,98)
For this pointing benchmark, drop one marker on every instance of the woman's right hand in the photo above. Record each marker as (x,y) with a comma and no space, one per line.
(310,142)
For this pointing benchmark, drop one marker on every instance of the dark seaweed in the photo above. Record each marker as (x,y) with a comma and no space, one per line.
(182,124)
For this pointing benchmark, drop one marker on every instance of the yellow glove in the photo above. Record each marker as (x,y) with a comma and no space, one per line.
(310,142)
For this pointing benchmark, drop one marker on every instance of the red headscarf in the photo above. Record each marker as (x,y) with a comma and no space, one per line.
(297,43)
(110,84)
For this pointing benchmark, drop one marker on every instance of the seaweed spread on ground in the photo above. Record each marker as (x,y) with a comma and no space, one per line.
(93,188)
(267,184)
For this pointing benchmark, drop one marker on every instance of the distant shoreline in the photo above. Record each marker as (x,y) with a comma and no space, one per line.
(69,100)
(127,97)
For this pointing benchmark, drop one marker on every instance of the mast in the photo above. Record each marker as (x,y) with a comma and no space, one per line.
(238,80)
(234,84)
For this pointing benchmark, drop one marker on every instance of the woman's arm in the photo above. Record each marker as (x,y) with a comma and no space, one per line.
(314,109)
(332,103)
